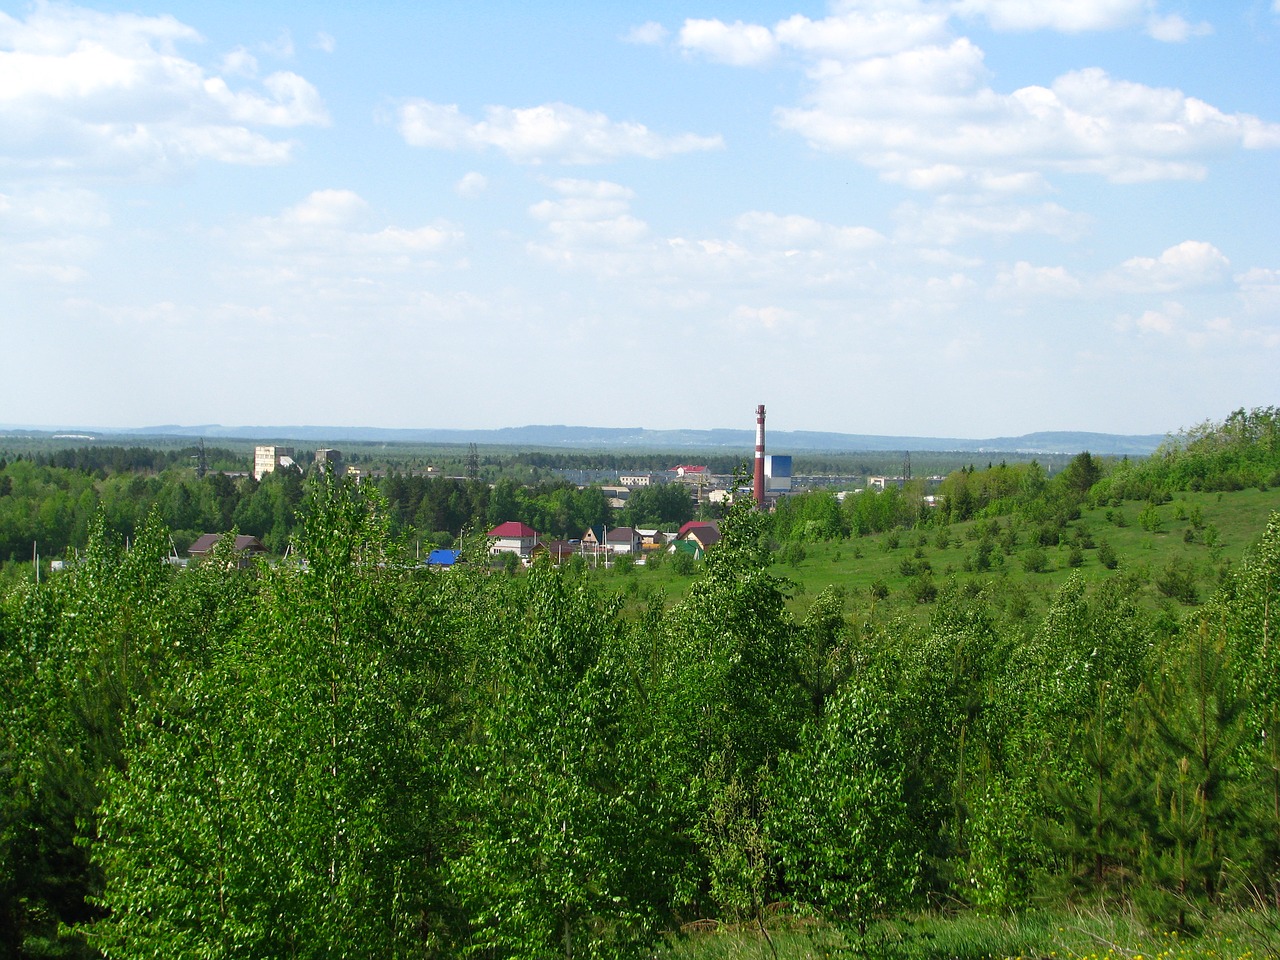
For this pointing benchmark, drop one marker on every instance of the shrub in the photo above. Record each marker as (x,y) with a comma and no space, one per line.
(793,553)
(922,589)
(682,563)
(1035,560)
(1177,581)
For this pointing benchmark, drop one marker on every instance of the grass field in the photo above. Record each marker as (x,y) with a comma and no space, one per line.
(1196,535)
(1083,935)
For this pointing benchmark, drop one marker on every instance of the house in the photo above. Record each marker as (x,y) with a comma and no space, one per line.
(691,473)
(558,550)
(513,537)
(652,539)
(623,540)
(701,534)
(245,547)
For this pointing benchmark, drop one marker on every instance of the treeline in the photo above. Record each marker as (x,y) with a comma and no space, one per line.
(355,755)
(48,507)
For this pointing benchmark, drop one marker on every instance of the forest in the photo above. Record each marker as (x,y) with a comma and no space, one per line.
(343,754)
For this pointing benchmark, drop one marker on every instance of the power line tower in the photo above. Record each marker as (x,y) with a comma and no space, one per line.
(473,462)
(906,465)
(202,462)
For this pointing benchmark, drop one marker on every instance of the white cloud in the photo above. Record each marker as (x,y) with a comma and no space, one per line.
(50,234)
(1260,291)
(52,210)
(889,85)
(863,32)
(1163,322)
(1174,29)
(324,42)
(553,131)
(1027,281)
(795,232)
(330,239)
(930,110)
(327,208)
(281,47)
(80,88)
(1155,321)
(1191,263)
(591,231)
(1064,16)
(951,221)
(587,213)
(292,102)
(240,63)
(646,33)
(738,44)
(471,184)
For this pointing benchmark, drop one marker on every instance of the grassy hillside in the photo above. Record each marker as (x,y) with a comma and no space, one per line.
(1183,545)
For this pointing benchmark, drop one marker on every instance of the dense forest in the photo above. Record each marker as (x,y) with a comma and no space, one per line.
(343,754)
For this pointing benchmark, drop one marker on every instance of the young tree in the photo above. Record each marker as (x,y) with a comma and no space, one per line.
(839,816)
(279,801)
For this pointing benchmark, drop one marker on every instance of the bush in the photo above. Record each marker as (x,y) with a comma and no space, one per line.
(1035,560)
(1107,555)
(922,589)
(910,567)
(682,563)
(1177,581)
(1149,519)
(793,554)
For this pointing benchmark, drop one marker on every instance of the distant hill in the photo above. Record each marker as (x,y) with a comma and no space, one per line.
(638,438)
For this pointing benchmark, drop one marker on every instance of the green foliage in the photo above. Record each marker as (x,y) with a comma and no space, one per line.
(275,801)
(666,505)
(839,816)
(547,798)
(683,563)
(1178,582)
(1107,555)
(1035,560)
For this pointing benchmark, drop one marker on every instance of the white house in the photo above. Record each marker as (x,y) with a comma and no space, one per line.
(513,537)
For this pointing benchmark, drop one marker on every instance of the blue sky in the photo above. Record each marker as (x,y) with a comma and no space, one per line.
(925,217)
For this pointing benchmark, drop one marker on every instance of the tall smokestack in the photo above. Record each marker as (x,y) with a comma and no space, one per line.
(759,476)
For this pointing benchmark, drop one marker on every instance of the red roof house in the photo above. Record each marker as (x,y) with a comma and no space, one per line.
(513,537)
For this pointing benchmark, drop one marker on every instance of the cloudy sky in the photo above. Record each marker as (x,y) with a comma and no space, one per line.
(928,217)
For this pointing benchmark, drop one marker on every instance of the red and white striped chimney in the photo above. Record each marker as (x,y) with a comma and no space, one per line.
(759,475)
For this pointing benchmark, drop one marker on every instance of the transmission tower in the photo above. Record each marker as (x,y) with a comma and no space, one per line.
(906,465)
(473,462)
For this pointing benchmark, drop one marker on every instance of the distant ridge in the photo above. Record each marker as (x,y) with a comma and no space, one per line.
(623,438)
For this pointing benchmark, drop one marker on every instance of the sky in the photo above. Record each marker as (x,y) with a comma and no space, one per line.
(966,218)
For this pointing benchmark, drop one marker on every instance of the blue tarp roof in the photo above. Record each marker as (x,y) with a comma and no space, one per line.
(443,558)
